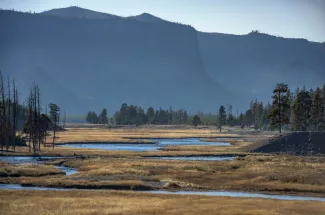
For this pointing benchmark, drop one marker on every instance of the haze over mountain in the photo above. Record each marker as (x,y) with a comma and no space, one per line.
(84,60)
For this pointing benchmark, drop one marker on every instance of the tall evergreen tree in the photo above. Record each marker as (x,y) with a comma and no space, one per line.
(317,111)
(248,118)
(302,111)
(103,119)
(92,117)
(279,114)
(196,121)
(230,116)
(222,116)
(150,114)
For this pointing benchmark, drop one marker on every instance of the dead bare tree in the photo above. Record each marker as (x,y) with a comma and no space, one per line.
(8,130)
(8,114)
(15,112)
(3,113)
(55,118)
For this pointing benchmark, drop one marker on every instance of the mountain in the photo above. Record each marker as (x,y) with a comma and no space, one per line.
(85,60)
(255,62)
(77,12)
(87,64)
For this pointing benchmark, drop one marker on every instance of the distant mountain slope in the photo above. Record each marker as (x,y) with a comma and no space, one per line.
(102,63)
(77,12)
(254,63)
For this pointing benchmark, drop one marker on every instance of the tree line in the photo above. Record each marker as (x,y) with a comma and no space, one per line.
(136,115)
(301,110)
(37,124)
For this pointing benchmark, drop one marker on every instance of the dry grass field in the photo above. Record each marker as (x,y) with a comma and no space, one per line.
(105,202)
(27,170)
(126,170)
(130,134)
(273,174)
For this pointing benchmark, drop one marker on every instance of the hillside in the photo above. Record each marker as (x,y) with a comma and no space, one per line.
(77,12)
(84,64)
(296,143)
(253,63)
(85,60)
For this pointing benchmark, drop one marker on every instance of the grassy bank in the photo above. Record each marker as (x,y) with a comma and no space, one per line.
(27,170)
(251,173)
(130,134)
(104,202)
(275,174)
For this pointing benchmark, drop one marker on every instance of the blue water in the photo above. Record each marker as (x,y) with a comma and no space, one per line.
(187,141)
(197,158)
(36,160)
(206,193)
(67,170)
(26,160)
(19,187)
(161,143)
(241,194)
(123,147)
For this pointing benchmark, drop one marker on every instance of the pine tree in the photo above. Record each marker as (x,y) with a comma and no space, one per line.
(279,114)
(196,121)
(302,111)
(150,115)
(317,111)
(89,117)
(230,116)
(248,119)
(103,119)
(222,116)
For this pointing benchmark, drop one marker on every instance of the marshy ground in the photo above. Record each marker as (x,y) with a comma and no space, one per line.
(125,170)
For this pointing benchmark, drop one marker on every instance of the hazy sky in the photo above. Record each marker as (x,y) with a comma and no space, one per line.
(287,18)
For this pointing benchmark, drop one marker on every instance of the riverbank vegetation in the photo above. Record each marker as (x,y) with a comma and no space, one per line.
(255,173)
(301,110)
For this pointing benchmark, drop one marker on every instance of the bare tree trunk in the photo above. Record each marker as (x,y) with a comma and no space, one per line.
(64,118)
(279,104)
(30,119)
(2,112)
(9,118)
(15,114)
(54,130)
(38,119)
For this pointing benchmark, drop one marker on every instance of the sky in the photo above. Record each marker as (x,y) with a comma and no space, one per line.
(286,18)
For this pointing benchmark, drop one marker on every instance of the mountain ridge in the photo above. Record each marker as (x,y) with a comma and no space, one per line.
(144,15)
(157,63)
(150,65)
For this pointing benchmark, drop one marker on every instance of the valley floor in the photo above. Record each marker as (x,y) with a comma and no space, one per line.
(125,170)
